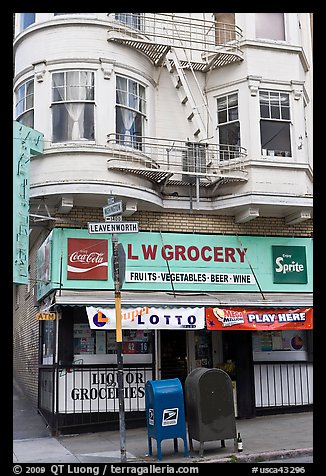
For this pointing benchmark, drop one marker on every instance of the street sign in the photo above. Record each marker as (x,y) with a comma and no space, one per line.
(113,227)
(112,209)
(114,218)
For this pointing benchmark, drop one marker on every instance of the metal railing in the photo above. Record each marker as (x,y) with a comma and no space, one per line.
(283,384)
(176,158)
(174,30)
(79,395)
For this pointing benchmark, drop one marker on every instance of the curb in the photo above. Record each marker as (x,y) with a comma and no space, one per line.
(259,457)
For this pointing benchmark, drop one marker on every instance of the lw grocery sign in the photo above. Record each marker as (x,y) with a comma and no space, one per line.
(258,319)
(178,261)
(147,318)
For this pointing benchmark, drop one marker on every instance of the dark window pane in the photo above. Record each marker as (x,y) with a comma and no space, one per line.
(285,111)
(222,117)
(275,112)
(275,137)
(264,111)
(230,134)
(64,126)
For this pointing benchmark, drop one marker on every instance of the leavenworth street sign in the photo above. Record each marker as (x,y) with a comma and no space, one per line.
(113,227)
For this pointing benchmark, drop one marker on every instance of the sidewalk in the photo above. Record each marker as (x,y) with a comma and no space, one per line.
(264,438)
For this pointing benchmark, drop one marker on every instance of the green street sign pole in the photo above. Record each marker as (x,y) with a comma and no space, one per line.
(117,286)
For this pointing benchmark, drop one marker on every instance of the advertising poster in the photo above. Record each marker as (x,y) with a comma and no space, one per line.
(258,320)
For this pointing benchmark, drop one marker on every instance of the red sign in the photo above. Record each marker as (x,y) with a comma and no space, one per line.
(87,259)
(238,318)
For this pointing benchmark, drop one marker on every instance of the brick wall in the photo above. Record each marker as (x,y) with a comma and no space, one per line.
(25,326)
(26,331)
(193,223)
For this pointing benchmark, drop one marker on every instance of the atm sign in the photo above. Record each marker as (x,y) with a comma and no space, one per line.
(46,316)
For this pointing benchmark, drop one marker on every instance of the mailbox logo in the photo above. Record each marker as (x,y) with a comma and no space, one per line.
(170,416)
(151,416)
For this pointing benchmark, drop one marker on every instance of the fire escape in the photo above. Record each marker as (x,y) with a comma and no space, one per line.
(184,46)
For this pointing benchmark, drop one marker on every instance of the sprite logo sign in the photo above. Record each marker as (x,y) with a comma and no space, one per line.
(289,265)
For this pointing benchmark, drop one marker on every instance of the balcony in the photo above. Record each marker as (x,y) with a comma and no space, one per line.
(212,44)
(174,162)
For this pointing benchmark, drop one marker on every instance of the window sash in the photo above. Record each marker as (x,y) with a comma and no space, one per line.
(227,108)
(73,86)
(274,105)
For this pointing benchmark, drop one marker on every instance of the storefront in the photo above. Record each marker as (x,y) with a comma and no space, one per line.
(172,286)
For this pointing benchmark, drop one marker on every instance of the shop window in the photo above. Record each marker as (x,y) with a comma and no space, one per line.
(89,344)
(275,124)
(228,126)
(280,345)
(270,26)
(130,111)
(24,107)
(73,106)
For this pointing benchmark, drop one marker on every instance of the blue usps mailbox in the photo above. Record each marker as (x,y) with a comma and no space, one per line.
(165,414)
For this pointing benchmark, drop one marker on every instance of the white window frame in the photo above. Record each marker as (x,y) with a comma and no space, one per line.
(272,152)
(74,102)
(23,109)
(131,112)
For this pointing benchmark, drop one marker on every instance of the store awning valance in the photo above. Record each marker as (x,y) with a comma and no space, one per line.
(140,298)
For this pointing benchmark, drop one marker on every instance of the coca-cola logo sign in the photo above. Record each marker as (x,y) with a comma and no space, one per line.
(87,259)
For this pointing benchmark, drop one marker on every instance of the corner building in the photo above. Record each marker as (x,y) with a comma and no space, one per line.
(197,126)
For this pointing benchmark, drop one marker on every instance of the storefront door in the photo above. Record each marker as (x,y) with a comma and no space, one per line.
(173,354)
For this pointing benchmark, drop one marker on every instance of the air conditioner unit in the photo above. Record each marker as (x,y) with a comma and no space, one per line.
(194,161)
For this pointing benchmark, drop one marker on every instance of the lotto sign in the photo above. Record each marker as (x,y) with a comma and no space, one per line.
(289,264)
(87,259)
(147,318)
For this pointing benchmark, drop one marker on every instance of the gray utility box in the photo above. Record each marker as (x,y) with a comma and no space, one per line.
(209,407)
